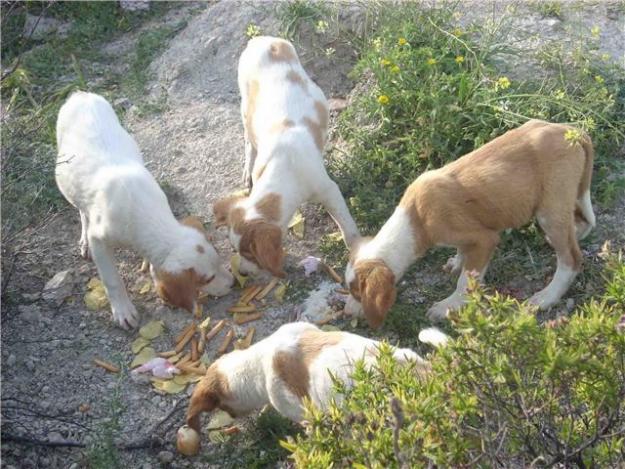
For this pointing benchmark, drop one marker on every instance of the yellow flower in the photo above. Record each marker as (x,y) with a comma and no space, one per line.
(383,99)
(395,69)
(431,61)
(572,136)
(605,57)
(385,62)
(402,41)
(321,27)
(503,83)
(377,44)
(252,30)
(459,59)
(559,94)
(595,31)
(599,79)
(457,32)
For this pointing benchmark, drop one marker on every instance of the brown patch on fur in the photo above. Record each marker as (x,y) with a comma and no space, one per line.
(376,288)
(279,127)
(252,95)
(261,243)
(322,115)
(291,369)
(223,207)
(269,207)
(316,132)
(180,289)
(208,395)
(236,221)
(199,249)
(282,51)
(194,222)
(297,79)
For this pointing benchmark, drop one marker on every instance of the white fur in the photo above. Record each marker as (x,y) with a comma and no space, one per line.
(293,165)
(558,286)
(100,171)
(433,336)
(253,383)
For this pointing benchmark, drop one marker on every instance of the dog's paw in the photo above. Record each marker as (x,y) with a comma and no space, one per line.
(247,179)
(438,312)
(353,307)
(126,316)
(84,250)
(542,300)
(453,265)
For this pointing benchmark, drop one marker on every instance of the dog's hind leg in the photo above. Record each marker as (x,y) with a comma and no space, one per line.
(333,201)
(84,243)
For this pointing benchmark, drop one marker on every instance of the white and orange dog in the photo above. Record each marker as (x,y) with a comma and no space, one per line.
(100,171)
(297,361)
(285,117)
(532,171)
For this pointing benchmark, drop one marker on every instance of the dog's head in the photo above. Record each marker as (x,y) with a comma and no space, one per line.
(259,241)
(191,267)
(372,289)
(212,392)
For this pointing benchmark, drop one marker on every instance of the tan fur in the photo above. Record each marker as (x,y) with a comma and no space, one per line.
(282,51)
(195,222)
(292,367)
(180,289)
(269,207)
(252,95)
(223,207)
(297,79)
(374,287)
(322,115)
(281,126)
(261,242)
(209,394)
(316,131)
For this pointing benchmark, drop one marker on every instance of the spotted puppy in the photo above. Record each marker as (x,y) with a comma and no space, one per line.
(293,363)
(100,171)
(285,117)
(532,171)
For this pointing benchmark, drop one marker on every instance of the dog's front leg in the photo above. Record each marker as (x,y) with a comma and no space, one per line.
(84,243)
(250,159)
(333,201)
(124,311)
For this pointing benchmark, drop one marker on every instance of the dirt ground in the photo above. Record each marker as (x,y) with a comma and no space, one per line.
(50,388)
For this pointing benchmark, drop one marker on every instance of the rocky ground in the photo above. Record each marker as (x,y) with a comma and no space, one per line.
(51,390)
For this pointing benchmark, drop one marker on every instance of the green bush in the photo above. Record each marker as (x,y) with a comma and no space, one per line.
(507,392)
(431,92)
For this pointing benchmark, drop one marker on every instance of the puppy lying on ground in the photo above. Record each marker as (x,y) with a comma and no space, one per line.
(100,171)
(293,363)
(285,117)
(532,171)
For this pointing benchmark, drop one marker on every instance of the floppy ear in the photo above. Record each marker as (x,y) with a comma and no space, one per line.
(265,241)
(204,399)
(195,222)
(378,294)
(221,209)
(179,289)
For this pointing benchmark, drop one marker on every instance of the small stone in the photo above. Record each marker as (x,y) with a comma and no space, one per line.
(165,457)
(55,437)
(31,296)
(74,465)
(11,360)
(123,103)
(30,313)
(45,389)
(30,365)
(82,325)
(570,304)
(37,27)
(59,287)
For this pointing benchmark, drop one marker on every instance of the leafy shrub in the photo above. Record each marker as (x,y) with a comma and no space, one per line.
(431,92)
(507,392)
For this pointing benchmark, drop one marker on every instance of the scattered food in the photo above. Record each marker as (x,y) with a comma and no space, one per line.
(95,298)
(152,330)
(244,319)
(215,330)
(226,342)
(297,224)
(106,365)
(143,356)
(159,367)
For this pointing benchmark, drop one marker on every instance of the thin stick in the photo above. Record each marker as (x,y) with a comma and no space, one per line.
(181,345)
(265,291)
(226,342)
(242,309)
(215,330)
(193,369)
(184,332)
(249,318)
(194,350)
(107,366)
(168,354)
(250,296)
(336,277)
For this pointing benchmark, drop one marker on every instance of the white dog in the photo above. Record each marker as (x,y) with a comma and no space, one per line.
(100,171)
(285,117)
(297,361)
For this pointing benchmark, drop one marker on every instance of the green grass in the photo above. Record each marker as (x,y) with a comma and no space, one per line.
(46,72)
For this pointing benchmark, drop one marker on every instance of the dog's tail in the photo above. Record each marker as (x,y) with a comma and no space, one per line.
(433,336)
(583,207)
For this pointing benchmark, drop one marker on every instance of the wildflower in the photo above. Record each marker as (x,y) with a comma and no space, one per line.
(383,100)
(599,79)
(459,59)
(573,136)
(559,94)
(252,30)
(402,41)
(503,83)
(321,27)
(590,123)
(385,62)
(605,56)
(595,31)
(432,61)
(330,51)
(377,44)
(457,32)
(394,69)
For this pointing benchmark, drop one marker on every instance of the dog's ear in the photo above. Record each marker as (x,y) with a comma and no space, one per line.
(377,293)
(195,222)
(264,242)
(178,289)
(221,209)
(205,398)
